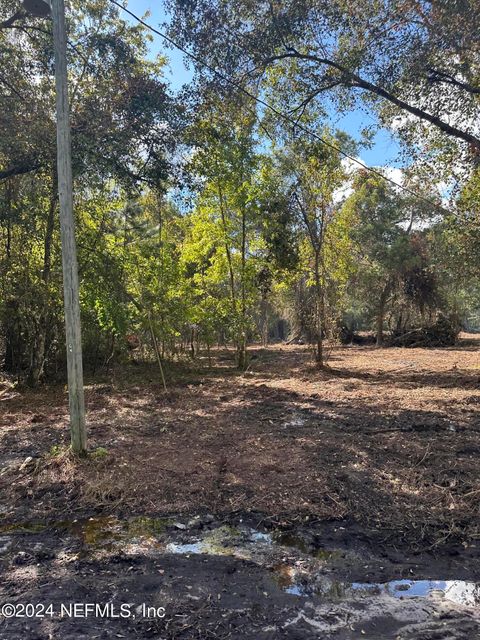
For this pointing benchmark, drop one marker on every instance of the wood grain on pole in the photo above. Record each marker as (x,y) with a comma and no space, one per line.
(67,231)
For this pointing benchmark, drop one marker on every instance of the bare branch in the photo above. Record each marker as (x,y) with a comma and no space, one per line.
(9,22)
(442,76)
(19,170)
(361,83)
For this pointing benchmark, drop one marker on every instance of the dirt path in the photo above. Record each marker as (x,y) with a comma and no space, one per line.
(377,457)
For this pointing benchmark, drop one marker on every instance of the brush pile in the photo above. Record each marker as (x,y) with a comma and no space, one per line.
(443,333)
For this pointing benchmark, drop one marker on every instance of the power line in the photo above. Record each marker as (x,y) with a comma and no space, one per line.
(280,114)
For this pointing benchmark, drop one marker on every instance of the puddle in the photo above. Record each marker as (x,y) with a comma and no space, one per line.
(99,533)
(259,536)
(294,590)
(23,527)
(204,547)
(194,547)
(245,542)
(302,576)
(457,591)
(287,539)
(223,541)
(109,534)
(94,531)
(5,544)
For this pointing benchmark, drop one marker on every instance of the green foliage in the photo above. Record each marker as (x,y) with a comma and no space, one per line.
(56,450)
(412,64)
(216,224)
(99,453)
(394,270)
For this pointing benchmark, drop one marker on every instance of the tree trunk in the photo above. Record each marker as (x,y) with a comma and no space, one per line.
(192,342)
(227,249)
(37,362)
(209,354)
(318,313)
(242,353)
(14,345)
(264,313)
(381,314)
(10,318)
(9,203)
(242,341)
(157,352)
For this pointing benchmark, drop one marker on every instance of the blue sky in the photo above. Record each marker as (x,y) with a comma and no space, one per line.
(385,149)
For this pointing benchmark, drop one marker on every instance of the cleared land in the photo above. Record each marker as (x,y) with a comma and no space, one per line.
(378,457)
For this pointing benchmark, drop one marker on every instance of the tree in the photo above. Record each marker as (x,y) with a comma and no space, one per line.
(298,190)
(456,241)
(315,172)
(119,104)
(122,123)
(419,58)
(390,255)
(226,212)
(279,254)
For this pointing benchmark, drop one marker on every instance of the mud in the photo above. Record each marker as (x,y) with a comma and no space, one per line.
(227,580)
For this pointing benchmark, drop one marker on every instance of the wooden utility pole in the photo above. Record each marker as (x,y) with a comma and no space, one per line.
(67,226)
(67,231)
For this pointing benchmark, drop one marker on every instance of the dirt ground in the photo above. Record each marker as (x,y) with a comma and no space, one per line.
(376,456)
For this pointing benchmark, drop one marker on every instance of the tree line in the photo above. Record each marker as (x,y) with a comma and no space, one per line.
(203,219)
